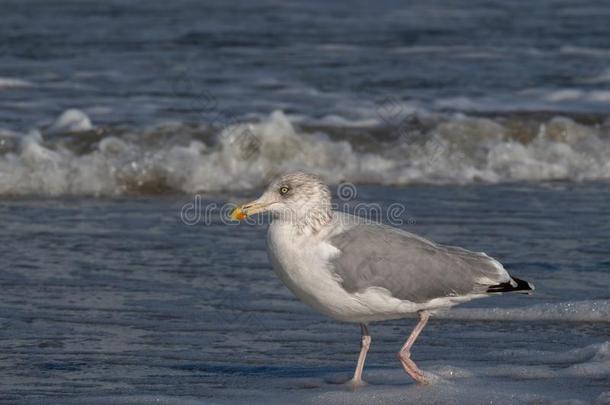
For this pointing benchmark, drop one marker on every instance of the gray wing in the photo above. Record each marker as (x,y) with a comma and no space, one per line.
(410,267)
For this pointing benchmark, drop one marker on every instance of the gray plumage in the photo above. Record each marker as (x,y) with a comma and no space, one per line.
(410,267)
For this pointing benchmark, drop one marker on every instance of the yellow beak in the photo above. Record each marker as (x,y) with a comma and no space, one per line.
(246,210)
(238,214)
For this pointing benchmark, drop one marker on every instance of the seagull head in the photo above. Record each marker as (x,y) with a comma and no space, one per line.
(297,197)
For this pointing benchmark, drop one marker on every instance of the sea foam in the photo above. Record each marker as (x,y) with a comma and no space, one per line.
(569,311)
(71,157)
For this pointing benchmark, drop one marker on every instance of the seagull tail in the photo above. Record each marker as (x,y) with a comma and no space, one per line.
(514,285)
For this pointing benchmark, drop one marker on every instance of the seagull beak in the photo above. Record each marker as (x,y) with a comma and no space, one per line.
(248,209)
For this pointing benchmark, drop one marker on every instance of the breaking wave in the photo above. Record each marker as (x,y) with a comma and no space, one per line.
(73,157)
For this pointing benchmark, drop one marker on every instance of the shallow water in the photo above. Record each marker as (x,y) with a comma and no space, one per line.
(118,301)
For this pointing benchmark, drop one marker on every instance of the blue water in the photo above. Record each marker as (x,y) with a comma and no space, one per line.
(119,301)
(141,62)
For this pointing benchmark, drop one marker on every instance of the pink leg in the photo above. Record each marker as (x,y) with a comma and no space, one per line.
(357,381)
(404,355)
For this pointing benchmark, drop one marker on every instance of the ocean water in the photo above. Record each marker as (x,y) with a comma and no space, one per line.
(126,128)
(120,301)
(112,98)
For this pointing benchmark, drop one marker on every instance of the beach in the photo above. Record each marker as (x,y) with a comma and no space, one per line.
(129,130)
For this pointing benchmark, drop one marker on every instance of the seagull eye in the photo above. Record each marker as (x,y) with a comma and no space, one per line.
(284,190)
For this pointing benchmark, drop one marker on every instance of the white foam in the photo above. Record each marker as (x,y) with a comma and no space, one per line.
(11,83)
(594,96)
(565,95)
(456,150)
(600,96)
(571,311)
(338,121)
(519,376)
(458,103)
(71,120)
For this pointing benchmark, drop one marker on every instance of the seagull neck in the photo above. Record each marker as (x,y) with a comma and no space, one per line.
(309,224)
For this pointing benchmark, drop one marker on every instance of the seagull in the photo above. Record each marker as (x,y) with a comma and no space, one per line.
(356,270)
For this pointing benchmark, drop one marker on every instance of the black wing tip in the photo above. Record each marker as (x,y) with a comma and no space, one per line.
(521,286)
